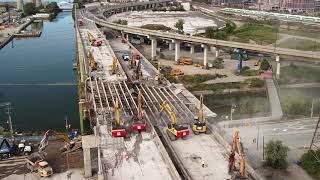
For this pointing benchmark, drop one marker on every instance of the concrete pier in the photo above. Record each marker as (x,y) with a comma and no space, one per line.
(153,48)
(177,51)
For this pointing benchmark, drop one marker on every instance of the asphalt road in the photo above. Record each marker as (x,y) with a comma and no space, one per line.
(296,134)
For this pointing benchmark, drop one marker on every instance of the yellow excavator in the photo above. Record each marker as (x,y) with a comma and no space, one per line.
(91,37)
(114,66)
(237,147)
(174,130)
(138,122)
(117,129)
(93,64)
(199,125)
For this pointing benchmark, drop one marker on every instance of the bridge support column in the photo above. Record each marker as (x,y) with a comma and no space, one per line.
(191,48)
(153,48)
(278,66)
(205,55)
(171,46)
(177,51)
(87,162)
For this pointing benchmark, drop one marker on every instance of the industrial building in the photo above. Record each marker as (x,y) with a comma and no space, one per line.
(294,6)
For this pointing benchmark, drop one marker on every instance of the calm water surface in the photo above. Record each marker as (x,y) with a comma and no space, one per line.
(44,60)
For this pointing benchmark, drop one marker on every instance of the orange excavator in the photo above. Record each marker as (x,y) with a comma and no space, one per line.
(138,122)
(237,147)
(118,129)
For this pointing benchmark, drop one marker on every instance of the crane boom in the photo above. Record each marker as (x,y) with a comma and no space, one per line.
(167,107)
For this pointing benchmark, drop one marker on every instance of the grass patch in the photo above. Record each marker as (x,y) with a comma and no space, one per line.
(261,34)
(300,44)
(299,74)
(249,83)
(199,78)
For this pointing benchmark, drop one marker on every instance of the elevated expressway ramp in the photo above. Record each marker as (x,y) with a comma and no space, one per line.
(193,39)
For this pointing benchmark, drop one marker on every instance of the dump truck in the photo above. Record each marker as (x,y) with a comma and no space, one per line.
(185,61)
(40,167)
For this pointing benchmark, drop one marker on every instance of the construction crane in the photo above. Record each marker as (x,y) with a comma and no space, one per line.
(174,130)
(199,125)
(237,147)
(117,129)
(138,122)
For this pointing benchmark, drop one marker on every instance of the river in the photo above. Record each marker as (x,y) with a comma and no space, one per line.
(46,61)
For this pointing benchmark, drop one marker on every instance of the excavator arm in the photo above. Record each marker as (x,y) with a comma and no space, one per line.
(167,107)
(139,106)
(200,115)
(237,147)
(117,112)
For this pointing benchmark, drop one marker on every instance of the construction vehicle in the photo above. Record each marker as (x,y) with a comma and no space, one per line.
(176,72)
(23,148)
(93,64)
(80,22)
(114,66)
(174,130)
(185,61)
(138,122)
(117,129)
(91,38)
(6,150)
(199,125)
(69,145)
(37,165)
(237,147)
(93,41)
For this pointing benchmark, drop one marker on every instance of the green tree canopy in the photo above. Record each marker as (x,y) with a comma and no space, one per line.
(29,9)
(52,8)
(265,65)
(276,154)
(179,25)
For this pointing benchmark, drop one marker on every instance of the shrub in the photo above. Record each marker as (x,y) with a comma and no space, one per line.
(310,163)
(218,63)
(276,154)
(265,65)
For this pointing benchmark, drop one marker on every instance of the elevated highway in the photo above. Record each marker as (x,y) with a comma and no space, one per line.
(94,14)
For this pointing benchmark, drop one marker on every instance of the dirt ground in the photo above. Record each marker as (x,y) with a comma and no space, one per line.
(229,65)
(16,165)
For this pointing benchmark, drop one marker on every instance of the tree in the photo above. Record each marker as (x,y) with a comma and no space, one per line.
(218,63)
(265,65)
(29,9)
(276,154)
(179,25)
(52,8)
